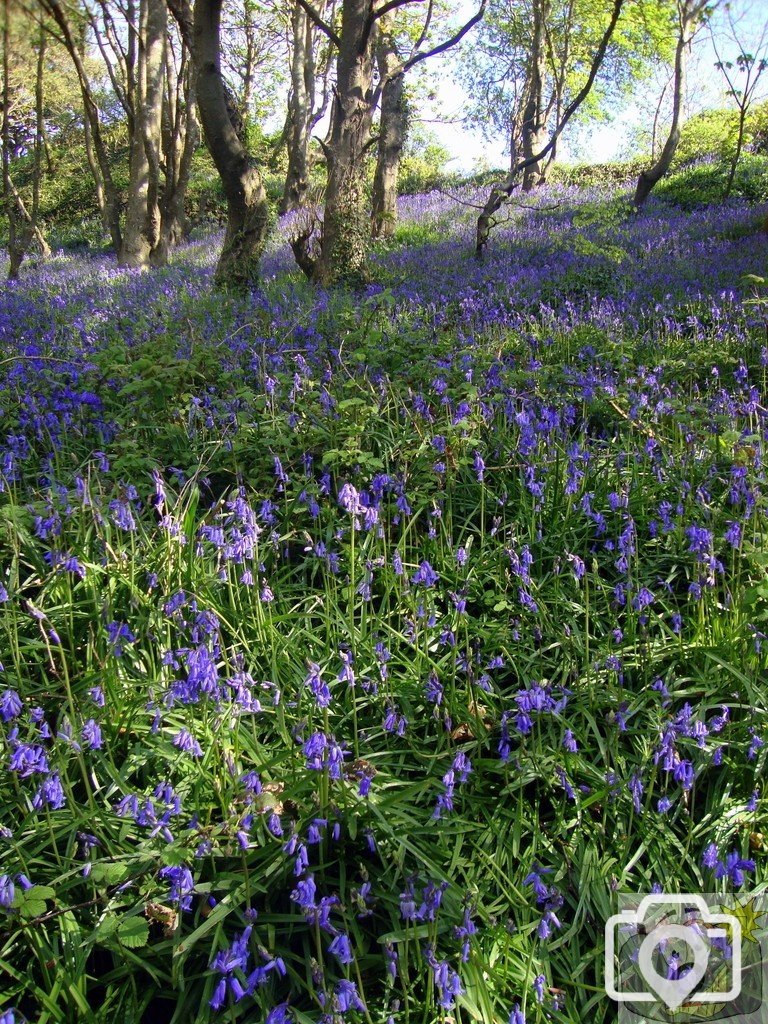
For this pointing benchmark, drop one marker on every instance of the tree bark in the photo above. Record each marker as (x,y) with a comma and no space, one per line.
(346,225)
(15,253)
(345,231)
(534,129)
(142,217)
(247,206)
(737,153)
(688,14)
(181,135)
(393,126)
(98,158)
(23,224)
(301,101)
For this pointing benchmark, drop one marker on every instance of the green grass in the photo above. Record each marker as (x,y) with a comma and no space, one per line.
(621,427)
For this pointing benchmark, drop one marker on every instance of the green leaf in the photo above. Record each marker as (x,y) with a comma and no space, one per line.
(32,908)
(133,932)
(104,873)
(32,902)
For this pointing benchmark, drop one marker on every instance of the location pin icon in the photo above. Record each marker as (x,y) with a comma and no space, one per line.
(673,992)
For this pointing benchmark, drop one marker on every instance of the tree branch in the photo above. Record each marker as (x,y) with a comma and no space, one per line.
(391,5)
(315,18)
(182,14)
(448,43)
(503,190)
(580,96)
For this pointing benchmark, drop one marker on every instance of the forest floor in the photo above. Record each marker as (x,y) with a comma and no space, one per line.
(358,648)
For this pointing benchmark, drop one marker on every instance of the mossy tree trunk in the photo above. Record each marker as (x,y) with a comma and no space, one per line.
(344,240)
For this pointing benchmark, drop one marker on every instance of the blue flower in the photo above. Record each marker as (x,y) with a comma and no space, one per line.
(734,867)
(7,891)
(10,705)
(187,743)
(346,997)
(341,949)
(182,885)
(425,575)
(516,1016)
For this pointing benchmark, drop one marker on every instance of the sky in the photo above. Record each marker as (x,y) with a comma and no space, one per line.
(612,141)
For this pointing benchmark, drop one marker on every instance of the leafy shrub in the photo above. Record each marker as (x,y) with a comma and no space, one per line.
(587,175)
(704,184)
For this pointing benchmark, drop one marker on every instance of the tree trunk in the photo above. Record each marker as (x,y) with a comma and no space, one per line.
(247,207)
(392,131)
(346,225)
(98,158)
(180,138)
(737,153)
(501,192)
(23,227)
(534,133)
(300,109)
(39,149)
(346,228)
(142,216)
(15,255)
(687,16)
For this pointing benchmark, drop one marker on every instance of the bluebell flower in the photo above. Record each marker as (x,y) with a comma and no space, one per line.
(636,789)
(569,743)
(709,857)
(187,743)
(349,499)
(684,773)
(390,952)
(516,1016)
(182,885)
(425,575)
(346,997)
(538,987)
(755,744)
(96,693)
(341,949)
(535,880)
(10,705)
(7,891)
(305,892)
(50,794)
(316,684)
(547,922)
(280,1014)
(228,962)
(28,760)
(734,867)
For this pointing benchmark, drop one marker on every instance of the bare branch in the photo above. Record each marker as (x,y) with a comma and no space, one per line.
(580,96)
(315,18)
(448,43)
(391,5)
(425,28)
(182,14)
(501,192)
